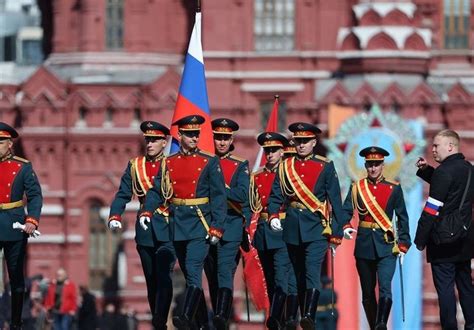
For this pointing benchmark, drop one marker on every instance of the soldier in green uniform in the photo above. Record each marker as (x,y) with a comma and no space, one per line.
(223,258)
(17,179)
(379,241)
(193,184)
(272,250)
(154,245)
(305,184)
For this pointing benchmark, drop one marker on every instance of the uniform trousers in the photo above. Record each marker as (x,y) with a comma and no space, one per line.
(379,270)
(157,264)
(191,255)
(278,270)
(220,266)
(306,260)
(14,253)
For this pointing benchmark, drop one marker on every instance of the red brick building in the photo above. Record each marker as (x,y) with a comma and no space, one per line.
(112,63)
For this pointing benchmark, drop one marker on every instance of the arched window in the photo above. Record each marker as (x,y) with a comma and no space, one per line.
(274,25)
(114,25)
(456,24)
(102,247)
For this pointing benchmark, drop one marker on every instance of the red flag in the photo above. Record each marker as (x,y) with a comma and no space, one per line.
(253,272)
(272,126)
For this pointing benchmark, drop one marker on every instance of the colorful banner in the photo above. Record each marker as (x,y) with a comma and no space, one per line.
(192,97)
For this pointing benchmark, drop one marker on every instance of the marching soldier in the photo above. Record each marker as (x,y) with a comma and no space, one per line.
(306,183)
(272,251)
(193,184)
(17,179)
(223,258)
(153,239)
(379,241)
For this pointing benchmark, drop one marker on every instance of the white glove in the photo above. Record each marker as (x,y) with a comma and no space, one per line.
(333,247)
(402,257)
(214,240)
(275,224)
(348,233)
(17,225)
(144,221)
(114,224)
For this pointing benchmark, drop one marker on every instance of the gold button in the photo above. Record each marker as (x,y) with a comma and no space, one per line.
(302,164)
(194,181)
(153,177)
(14,172)
(153,165)
(194,155)
(192,195)
(191,207)
(179,157)
(199,168)
(205,160)
(259,185)
(302,175)
(174,182)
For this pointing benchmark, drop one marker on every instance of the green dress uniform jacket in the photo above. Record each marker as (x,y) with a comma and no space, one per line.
(17,179)
(130,180)
(373,243)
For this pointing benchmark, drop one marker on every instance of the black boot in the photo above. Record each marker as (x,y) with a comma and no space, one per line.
(291,313)
(202,315)
(383,311)
(223,308)
(191,302)
(276,309)
(17,307)
(370,308)
(310,305)
(164,296)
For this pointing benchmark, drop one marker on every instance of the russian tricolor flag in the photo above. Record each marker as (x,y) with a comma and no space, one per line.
(192,97)
(433,206)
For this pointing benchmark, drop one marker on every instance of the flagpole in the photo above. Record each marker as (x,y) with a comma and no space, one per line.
(198,9)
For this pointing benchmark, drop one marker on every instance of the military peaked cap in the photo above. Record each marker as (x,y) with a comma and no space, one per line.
(374,153)
(304,130)
(271,139)
(7,132)
(154,129)
(224,126)
(189,123)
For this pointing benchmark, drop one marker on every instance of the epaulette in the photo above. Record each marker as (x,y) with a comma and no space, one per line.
(205,153)
(234,157)
(324,159)
(133,159)
(23,160)
(395,183)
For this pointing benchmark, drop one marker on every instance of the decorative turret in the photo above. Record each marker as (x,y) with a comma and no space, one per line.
(385,37)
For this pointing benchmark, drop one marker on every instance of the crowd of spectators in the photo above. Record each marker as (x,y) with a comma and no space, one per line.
(58,304)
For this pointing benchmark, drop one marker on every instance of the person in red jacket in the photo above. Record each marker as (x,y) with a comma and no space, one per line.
(61,301)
